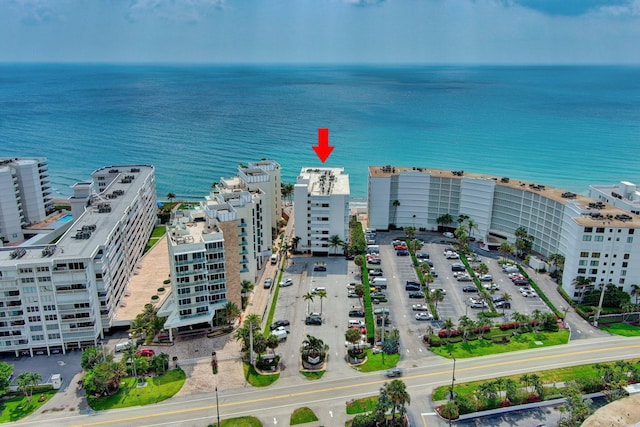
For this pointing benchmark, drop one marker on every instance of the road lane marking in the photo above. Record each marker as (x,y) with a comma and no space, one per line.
(351,386)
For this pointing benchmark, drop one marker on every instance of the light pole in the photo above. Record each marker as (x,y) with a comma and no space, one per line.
(453,379)
(214,366)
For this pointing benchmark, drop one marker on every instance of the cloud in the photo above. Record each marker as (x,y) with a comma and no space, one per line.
(36,12)
(571,7)
(172,10)
(364,3)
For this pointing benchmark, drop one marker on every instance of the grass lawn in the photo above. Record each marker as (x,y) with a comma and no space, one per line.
(519,342)
(256,379)
(312,375)
(366,404)
(157,390)
(239,422)
(15,408)
(158,232)
(378,362)
(550,376)
(302,415)
(623,329)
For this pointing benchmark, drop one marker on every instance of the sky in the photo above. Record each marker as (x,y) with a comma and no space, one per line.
(321,31)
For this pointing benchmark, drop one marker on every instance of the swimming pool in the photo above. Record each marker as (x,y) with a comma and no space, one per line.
(64,219)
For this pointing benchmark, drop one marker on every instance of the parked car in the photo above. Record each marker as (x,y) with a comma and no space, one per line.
(313,320)
(477,304)
(498,298)
(356,313)
(424,316)
(491,286)
(393,373)
(379,321)
(352,294)
(469,289)
(452,255)
(267,283)
(444,291)
(413,282)
(525,289)
(422,255)
(375,272)
(286,282)
(319,268)
(448,235)
(521,282)
(420,307)
(458,267)
(279,323)
(402,253)
(416,294)
(503,304)
(486,278)
(318,289)
(510,270)
(146,352)
(378,295)
(379,311)
(529,294)
(464,278)
(374,260)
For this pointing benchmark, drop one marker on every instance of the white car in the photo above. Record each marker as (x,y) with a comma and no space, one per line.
(424,316)
(286,282)
(420,307)
(491,286)
(444,291)
(448,234)
(473,303)
(526,289)
(529,294)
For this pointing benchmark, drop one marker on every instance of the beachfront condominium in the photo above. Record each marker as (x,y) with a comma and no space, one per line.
(598,240)
(25,196)
(624,195)
(63,291)
(321,209)
(217,245)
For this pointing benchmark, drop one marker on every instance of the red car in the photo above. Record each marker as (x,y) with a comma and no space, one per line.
(146,352)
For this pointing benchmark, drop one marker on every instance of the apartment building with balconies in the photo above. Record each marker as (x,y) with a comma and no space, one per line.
(64,294)
(597,239)
(321,209)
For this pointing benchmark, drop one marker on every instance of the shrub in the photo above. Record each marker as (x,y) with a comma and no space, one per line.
(154,297)
(484,329)
(446,334)
(466,404)
(160,289)
(532,398)
(435,341)
(449,410)
(506,326)
(166,281)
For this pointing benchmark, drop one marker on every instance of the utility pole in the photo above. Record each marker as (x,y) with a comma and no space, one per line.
(453,379)
(214,367)
(251,343)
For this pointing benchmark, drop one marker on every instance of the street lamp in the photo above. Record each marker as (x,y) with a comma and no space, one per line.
(453,379)
(214,366)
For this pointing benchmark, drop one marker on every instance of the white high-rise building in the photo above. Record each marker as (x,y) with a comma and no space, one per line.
(25,196)
(624,195)
(598,240)
(64,293)
(321,209)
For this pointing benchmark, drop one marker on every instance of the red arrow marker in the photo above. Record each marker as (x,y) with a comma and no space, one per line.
(323,150)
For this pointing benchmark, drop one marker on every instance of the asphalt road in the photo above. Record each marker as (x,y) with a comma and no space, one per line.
(327,398)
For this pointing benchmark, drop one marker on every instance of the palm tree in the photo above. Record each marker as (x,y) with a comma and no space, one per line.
(170,197)
(428,278)
(537,317)
(506,296)
(395,205)
(429,332)
(246,287)
(308,297)
(436,296)
(294,243)
(505,249)
(163,361)
(322,295)
(273,342)
(359,260)
(445,219)
(229,312)
(27,381)
(335,242)
(448,326)
(410,232)
(259,344)
(580,283)
(353,336)
(524,241)
(471,225)
(481,324)
(360,292)
(465,323)
(483,298)
(557,260)
(482,268)
(635,291)
(397,394)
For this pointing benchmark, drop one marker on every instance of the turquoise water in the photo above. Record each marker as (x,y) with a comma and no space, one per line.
(64,219)
(560,126)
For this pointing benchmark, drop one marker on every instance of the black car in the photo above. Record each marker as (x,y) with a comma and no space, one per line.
(458,267)
(278,323)
(422,255)
(503,304)
(469,289)
(413,282)
(417,294)
(319,268)
(313,320)
(498,299)
(402,253)
(394,372)
(411,287)
(356,313)
(387,321)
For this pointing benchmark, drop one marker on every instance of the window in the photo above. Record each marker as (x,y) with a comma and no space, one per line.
(54,336)
(625,264)
(623,272)
(586,238)
(599,238)
(631,230)
(584,254)
(588,229)
(600,230)
(594,263)
(582,262)
(595,254)
(594,271)
(35,328)
(629,239)
(582,271)
(626,256)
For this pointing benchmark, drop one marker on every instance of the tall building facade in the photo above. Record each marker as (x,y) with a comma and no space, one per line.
(222,242)
(65,294)
(321,209)
(25,196)
(598,240)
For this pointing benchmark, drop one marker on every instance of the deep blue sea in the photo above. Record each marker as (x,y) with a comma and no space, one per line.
(561,126)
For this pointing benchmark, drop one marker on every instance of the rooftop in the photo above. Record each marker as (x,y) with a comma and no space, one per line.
(326,181)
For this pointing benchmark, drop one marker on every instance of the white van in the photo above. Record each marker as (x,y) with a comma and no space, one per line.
(281,334)
(379,282)
(318,289)
(356,323)
(274,259)
(122,346)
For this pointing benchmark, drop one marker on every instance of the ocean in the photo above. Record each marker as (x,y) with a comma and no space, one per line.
(563,126)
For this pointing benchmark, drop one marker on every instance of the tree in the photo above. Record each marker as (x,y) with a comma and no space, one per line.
(537,319)
(259,344)
(482,268)
(322,295)
(465,324)
(313,348)
(308,297)
(410,232)
(229,312)
(26,382)
(294,243)
(506,296)
(353,336)
(471,225)
(335,242)
(395,205)
(436,296)
(359,290)
(161,363)
(577,409)
(505,249)
(428,278)
(444,220)
(448,326)
(520,319)
(524,241)
(635,292)
(557,260)
(398,396)
(92,356)
(481,324)
(246,287)
(251,322)
(147,324)
(5,373)
(273,342)
(581,284)
(170,197)
(359,260)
